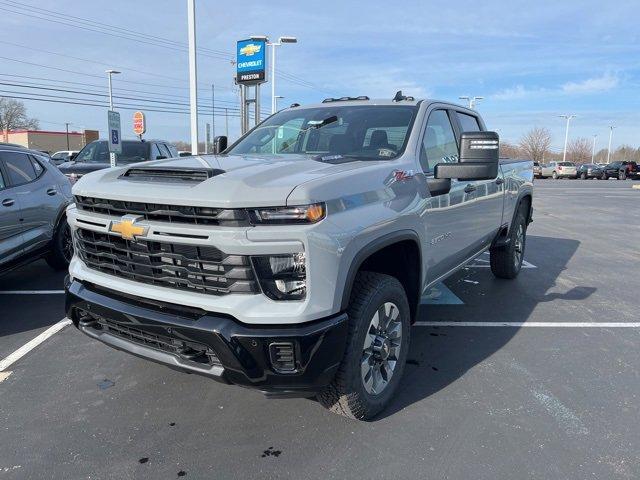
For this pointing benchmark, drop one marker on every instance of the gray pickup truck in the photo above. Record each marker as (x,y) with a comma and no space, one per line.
(294,261)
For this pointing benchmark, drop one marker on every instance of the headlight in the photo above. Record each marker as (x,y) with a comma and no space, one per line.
(282,277)
(288,215)
(73,177)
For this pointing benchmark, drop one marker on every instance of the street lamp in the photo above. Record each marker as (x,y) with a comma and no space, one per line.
(273,45)
(611,127)
(593,148)
(109,73)
(566,135)
(277,97)
(472,100)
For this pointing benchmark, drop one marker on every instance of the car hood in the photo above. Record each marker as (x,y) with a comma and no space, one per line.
(237,181)
(81,168)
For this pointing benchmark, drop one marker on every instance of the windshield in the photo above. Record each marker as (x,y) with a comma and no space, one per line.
(98,152)
(364,132)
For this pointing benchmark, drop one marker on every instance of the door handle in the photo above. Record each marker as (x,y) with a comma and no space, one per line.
(470,188)
(7,202)
(499,181)
(52,191)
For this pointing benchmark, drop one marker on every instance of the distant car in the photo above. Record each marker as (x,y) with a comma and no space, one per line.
(557,170)
(620,170)
(184,153)
(33,199)
(537,169)
(589,170)
(63,156)
(95,156)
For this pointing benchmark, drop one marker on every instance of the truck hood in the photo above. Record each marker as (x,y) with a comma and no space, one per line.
(244,180)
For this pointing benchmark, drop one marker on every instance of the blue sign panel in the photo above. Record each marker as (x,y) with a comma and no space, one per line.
(251,62)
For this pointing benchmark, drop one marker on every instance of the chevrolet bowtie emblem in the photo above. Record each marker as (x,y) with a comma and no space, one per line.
(127,228)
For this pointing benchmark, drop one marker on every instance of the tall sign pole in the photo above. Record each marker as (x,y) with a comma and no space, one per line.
(250,71)
(193,76)
(213,112)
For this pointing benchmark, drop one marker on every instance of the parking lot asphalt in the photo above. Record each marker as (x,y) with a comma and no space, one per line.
(475,402)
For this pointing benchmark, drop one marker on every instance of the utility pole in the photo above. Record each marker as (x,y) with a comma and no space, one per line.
(67,128)
(611,127)
(193,76)
(593,149)
(226,122)
(566,135)
(472,100)
(213,112)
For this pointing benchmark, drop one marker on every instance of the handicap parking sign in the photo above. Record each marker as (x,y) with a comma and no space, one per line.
(115,144)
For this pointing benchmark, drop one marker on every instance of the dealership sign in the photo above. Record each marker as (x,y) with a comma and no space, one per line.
(139,123)
(251,62)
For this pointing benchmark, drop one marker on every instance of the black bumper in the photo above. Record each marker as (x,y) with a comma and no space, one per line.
(216,346)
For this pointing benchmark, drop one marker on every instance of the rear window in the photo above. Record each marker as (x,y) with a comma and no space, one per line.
(468,123)
(19,168)
(566,164)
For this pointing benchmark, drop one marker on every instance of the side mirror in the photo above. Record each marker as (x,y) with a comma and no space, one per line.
(479,158)
(219,144)
(73,156)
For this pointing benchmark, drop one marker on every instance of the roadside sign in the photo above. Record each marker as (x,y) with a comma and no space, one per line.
(250,62)
(139,123)
(115,137)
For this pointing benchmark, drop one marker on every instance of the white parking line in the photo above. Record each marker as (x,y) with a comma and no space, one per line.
(30,292)
(27,347)
(532,324)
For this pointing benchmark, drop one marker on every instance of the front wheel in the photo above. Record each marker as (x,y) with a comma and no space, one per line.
(622,175)
(554,175)
(604,176)
(583,176)
(61,247)
(506,261)
(377,347)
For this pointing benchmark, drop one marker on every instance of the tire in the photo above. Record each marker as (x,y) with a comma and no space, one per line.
(506,262)
(352,393)
(583,176)
(604,176)
(622,175)
(61,247)
(554,175)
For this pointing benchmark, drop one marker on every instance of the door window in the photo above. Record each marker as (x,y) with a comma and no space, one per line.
(19,168)
(155,151)
(439,142)
(164,150)
(37,167)
(468,123)
(2,182)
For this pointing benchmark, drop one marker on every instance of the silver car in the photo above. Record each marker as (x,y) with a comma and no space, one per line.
(557,170)
(33,200)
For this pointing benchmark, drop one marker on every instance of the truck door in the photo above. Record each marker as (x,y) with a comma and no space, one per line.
(486,197)
(448,227)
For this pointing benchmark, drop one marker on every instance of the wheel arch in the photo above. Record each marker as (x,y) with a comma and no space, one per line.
(391,254)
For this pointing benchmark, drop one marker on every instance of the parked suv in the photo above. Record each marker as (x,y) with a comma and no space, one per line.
(589,170)
(537,169)
(33,199)
(619,170)
(560,170)
(95,156)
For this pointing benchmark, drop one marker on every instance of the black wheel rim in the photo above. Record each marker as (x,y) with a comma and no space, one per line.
(67,244)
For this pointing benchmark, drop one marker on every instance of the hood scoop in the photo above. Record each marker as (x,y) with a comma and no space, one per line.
(171,174)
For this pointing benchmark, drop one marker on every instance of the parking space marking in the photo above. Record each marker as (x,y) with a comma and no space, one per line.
(30,345)
(440,294)
(481,262)
(532,324)
(30,292)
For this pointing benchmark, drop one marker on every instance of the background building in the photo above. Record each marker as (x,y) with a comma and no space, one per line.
(50,141)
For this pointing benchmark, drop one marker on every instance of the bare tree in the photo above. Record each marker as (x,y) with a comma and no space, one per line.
(579,150)
(13,116)
(535,143)
(509,150)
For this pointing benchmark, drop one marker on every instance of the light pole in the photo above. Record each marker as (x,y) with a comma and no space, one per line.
(472,100)
(193,75)
(566,135)
(67,128)
(112,155)
(611,127)
(273,46)
(593,149)
(278,97)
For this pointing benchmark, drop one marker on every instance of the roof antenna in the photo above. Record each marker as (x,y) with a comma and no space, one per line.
(399,96)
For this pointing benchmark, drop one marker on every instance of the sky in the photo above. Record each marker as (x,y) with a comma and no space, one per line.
(531,61)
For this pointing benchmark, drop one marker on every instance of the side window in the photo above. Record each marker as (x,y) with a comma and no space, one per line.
(86,155)
(173,152)
(19,168)
(37,167)
(468,123)
(155,151)
(3,184)
(164,150)
(439,142)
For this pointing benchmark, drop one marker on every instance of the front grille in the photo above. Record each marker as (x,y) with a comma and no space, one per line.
(192,351)
(201,269)
(164,213)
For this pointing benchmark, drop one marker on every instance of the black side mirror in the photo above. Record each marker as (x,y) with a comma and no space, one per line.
(479,158)
(219,144)
(161,157)
(73,156)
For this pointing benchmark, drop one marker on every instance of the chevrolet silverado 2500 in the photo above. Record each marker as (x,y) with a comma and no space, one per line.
(294,261)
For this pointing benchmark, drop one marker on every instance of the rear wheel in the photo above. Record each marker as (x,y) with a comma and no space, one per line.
(61,247)
(554,175)
(583,176)
(604,176)
(506,261)
(622,175)
(377,347)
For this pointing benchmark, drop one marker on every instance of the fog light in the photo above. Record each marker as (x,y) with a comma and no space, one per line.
(282,277)
(283,358)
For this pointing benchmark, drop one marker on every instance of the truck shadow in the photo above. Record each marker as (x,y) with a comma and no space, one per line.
(438,356)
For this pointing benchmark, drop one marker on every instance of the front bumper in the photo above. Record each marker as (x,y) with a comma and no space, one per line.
(216,346)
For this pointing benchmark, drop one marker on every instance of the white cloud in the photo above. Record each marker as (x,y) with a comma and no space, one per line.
(517,92)
(592,85)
